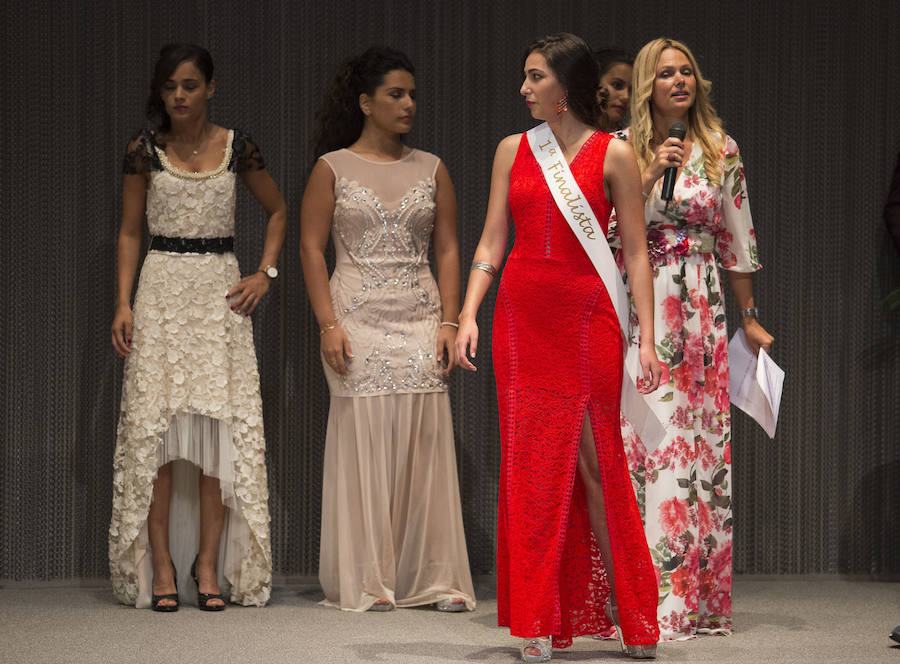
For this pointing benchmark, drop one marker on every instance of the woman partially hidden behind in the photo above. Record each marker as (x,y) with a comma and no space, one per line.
(190,435)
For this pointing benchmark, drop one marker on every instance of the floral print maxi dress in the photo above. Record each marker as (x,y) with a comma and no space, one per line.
(684,486)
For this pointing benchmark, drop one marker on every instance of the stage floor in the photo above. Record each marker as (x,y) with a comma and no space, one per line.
(778,619)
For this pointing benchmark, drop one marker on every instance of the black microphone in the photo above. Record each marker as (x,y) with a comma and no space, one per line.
(679,131)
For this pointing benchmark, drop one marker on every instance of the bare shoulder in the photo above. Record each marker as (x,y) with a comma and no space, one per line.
(442,178)
(506,151)
(322,168)
(619,149)
(509,144)
(321,177)
(440,170)
(619,154)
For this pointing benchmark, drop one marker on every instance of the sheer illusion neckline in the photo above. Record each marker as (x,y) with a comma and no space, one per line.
(412,151)
(197,175)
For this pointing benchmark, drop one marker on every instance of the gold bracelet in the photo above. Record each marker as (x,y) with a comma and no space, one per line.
(328,327)
(487,267)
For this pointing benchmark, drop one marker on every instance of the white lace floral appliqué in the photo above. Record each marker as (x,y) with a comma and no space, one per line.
(191,355)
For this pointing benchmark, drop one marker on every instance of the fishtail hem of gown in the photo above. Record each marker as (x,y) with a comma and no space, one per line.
(425,599)
(391,515)
(422,600)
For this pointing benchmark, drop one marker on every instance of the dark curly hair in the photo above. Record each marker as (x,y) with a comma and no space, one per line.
(170,56)
(607,57)
(339,121)
(571,60)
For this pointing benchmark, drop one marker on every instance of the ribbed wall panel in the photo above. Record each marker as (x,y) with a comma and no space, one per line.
(812,98)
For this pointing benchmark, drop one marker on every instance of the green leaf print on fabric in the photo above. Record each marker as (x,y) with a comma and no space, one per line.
(684,487)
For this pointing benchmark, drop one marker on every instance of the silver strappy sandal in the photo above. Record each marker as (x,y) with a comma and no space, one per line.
(545,645)
(447,605)
(634,652)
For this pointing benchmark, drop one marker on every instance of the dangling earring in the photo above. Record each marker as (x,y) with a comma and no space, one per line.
(562,105)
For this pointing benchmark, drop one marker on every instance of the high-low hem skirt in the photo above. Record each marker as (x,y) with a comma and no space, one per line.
(191,397)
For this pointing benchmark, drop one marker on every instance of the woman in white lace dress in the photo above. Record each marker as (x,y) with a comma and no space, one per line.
(392,532)
(189,468)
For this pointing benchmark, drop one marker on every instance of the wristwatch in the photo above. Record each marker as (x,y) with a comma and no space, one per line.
(270,271)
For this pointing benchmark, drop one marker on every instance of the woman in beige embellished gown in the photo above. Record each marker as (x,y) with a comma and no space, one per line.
(392,531)
(189,468)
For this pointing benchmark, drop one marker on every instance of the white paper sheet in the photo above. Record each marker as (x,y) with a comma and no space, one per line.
(755,382)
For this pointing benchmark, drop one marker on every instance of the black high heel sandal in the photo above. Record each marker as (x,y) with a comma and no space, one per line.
(204,599)
(156,599)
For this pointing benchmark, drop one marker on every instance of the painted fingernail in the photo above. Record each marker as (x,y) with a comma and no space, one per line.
(232,308)
(129,341)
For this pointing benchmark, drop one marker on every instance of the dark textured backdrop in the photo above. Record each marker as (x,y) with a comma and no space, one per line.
(812,98)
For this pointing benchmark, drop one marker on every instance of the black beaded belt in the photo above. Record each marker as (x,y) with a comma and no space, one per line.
(192,245)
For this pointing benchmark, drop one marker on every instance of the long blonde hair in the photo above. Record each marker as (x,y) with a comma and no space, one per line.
(704,122)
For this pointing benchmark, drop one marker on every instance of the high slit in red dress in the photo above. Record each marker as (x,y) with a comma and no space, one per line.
(557,351)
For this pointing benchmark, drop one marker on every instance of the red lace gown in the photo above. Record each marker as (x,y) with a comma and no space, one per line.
(558,352)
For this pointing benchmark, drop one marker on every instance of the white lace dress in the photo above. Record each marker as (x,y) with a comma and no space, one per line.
(391,517)
(191,389)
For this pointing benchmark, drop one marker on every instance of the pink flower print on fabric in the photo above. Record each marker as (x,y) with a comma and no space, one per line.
(673,516)
(672,313)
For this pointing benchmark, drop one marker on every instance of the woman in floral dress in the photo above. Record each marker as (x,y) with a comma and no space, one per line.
(190,435)
(684,486)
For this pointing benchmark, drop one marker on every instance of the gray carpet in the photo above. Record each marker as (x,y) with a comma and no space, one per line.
(786,619)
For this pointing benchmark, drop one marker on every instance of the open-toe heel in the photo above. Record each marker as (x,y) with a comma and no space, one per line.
(544,645)
(612,613)
(156,599)
(448,605)
(381,606)
(204,599)
(634,652)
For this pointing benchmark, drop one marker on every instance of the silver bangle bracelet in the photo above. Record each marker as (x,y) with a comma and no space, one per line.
(447,322)
(486,267)
(752,312)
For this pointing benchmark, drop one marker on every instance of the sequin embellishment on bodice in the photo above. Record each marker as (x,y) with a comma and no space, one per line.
(383,291)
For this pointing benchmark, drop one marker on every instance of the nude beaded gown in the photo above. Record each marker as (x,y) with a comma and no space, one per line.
(391,517)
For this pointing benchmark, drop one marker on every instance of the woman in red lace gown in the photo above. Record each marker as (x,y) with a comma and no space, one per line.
(569,531)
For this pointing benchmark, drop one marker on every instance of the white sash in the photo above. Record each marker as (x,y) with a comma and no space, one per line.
(577,212)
